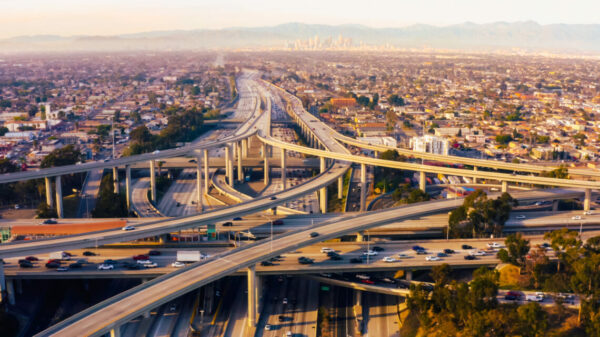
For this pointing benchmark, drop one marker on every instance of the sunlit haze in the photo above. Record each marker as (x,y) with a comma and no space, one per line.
(110,17)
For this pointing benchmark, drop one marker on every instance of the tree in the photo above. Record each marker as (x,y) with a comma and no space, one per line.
(67,155)
(484,289)
(44,211)
(3,130)
(566,244)
(533,320)
(516,249)
(396,100)
(110,204)
(7,166)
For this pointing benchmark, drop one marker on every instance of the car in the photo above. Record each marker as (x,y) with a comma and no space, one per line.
(177,264)
(106,267)
(268,327)
(335,257)
(378,249)
(422,252)
(88,253)
(512,296)
(144,261)
(534,298)
(441,254)
(106,160)
(172,307)
(54,261)
(327,250)
(128,228)
(154,253)
(417,248)
(587,213)
(52,265)
(75,265)
(576,217)
(156,152)
(356,260)
(467,247)
(449,251)
(281,318)
(278,222)
(469,257)
(520,217)
(17,206)
(62,269)
(150,265)
(370,253)
(314,234)
(476,253)
(178,204)
(141,257)
(403,256)
(227,224)
(494,245)
(266,263)
(367,281)
(50,222)
(285,300)
(289,334)
(110,261)
(432,258)
(305,260)
(273,198)
(389,259)
(31,258)
(237,218)
(25,264)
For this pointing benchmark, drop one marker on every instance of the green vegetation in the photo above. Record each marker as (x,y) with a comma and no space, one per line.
(406,194)
(504,139)
(562,172)
(396,100)
(67,155)
(323,322)
(516,250)
(109,204)
(333,203)
(479,216)
(388,179)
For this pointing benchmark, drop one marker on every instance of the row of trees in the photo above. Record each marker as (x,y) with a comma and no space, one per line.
(109,203)
(479,216)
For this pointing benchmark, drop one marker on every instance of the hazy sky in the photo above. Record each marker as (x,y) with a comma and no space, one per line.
(108,17)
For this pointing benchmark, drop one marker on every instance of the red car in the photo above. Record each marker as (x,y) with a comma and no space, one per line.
(31,258)
(141,257)
(278,222)
(367,281)
(54,261)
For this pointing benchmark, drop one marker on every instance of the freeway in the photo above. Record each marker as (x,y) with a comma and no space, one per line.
(140,203)
(117,310)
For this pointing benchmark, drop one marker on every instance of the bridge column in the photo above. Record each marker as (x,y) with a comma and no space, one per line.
(206,171)
(408,274)
(252,310)
(265,148)
(235,151)
(49,199)
(228,165)
(475,178)
(128,186)
(199,183)
(363,187)
(152,181)
(323,190)
(115,180)
(554,205)
(341,187)
(360,236)
(115,332)
(59,200)
(504,186)
(240,169)
(422,181)
(244,147)
(283,169)
(10,291)
(587,200)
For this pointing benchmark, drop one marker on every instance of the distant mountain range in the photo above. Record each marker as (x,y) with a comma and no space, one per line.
(528,36)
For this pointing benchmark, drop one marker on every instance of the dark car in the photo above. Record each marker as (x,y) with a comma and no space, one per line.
(23,261)
(31,258)
(278,222)
(53,261)
(449,251)
(378,249)
(335,257)
(88,253)
(178,204)
(75,265)
(466,247)
(440,254)
(273,198)
(228,224)
(110,261)
(305,260)
(25,264)
(469,257)
(421,252)
(512,296)
(154,253)
(314,234)
(356,260)
(237,218)
(141,257)
(266,263)
(52,265)
(417,248)
(50,222)
(282,318)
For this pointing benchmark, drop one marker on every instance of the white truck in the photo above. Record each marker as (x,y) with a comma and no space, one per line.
(190,256)
(59,256)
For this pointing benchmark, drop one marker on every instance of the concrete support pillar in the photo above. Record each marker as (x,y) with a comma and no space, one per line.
(422,181)
(323,190)
(244,147)
(240,169)
(360,237)
(128,186)
(408,275)
(59,200)
(162,239)
(263,151)
(228,172)
(554,205)
(199,183)
(115,180)
(252,312)
(152,181)
(235,151)
(475,178)
(504,186)
(115,332)
(587,200)
(10,292)
(283,169)
(49,199)
(205,171)
(363,187)
(265,148)
(340,187)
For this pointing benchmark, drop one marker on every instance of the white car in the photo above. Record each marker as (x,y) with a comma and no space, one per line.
(106,267)
(268,327)
(477,253)
(520,217)
(370,253)
(389,259)
(576,217)
(144,261)
(327,250)
(151,265)
(534,298)
(432,258)
(156,152)
(403,256)
(128,228)
(587,213)
(494,245)
(177,264)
